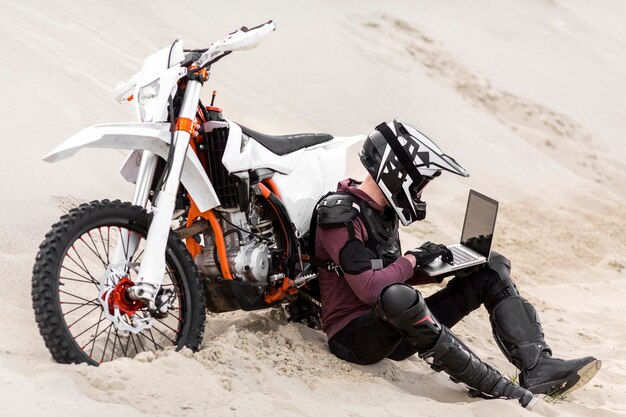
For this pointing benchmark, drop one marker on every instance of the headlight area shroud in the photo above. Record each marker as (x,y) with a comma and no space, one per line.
(147,100)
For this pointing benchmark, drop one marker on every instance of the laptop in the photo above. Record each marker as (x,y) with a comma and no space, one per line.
(476,238)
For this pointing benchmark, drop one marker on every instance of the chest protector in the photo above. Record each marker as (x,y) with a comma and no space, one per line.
(383,243)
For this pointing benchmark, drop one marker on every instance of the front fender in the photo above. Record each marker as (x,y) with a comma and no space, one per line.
(153,137)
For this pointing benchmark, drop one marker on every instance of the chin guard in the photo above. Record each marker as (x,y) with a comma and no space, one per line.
(420,209)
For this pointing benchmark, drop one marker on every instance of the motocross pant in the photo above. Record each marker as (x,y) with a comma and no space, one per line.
(368,339)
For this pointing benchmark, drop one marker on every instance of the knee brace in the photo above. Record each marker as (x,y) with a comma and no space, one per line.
(404,309)
(488,285)
(503,285)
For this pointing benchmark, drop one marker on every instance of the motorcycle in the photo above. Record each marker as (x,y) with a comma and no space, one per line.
(219,220)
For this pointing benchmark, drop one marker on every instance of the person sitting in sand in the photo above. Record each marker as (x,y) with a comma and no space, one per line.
(370,311)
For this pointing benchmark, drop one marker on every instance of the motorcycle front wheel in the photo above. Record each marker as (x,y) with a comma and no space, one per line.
(68,277)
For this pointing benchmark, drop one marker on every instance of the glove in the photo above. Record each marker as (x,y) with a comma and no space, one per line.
(428,252)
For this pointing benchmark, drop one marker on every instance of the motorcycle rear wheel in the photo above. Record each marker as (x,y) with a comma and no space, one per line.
(66,284)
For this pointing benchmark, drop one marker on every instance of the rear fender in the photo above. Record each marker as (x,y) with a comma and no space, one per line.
(153,137)
(320,169)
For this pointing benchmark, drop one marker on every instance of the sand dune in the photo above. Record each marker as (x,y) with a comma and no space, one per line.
(529,96)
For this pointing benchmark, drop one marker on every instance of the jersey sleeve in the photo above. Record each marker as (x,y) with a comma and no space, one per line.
(352,257)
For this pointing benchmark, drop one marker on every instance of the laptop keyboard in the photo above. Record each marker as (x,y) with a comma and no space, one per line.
(461,257)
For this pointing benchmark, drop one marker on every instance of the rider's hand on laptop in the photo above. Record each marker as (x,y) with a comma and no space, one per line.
(428,252)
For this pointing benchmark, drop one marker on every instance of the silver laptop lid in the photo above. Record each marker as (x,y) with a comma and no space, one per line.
(480,222)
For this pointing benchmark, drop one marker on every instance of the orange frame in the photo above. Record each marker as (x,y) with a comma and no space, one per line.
(267,187)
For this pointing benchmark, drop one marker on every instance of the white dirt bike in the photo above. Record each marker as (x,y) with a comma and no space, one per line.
(113,279)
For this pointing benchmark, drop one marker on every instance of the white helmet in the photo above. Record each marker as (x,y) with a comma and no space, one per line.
(402,161)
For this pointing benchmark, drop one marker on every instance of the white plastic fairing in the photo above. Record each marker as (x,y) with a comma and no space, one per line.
(241,39)
(318,172)
(333,157)
(124,90)
(254,155)
(154,137)
(130,167)
(156,109)
(301,189)
(159,61)
(162,69)
(302,177)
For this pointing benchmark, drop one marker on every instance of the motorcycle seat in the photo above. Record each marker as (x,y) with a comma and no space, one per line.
(284,144)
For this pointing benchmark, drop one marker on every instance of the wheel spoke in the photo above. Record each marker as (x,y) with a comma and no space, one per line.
(80,275)
(114,344)
(130,337)
(75,296)
(124,248)
(82,317)
(106,344)
(127,344)
(67,255)
(171,314)
(87,329)
(77,280)
(94,338)
(151,339)
(95,246)
(85,266)
(79,306)
(160,321)
(104,248)
(95,252)
(138,256)
(82,281)
(109,239)
(164,335)
(143,349)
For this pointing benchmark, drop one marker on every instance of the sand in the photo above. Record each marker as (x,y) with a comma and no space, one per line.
(528,96)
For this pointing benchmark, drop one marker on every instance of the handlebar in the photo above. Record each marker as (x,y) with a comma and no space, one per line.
(244,38)
(238,40)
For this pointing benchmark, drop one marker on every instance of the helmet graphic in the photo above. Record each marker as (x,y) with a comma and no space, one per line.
(402,161)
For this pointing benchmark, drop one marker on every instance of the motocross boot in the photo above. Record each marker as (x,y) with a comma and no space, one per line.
(404,310)
(519,335)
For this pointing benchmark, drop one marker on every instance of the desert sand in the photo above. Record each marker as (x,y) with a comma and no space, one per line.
(529,96)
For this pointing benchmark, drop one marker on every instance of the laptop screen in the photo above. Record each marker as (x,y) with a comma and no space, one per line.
(480,222)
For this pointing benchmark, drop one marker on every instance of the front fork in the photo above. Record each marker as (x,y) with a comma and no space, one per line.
(152,267)
(127,246)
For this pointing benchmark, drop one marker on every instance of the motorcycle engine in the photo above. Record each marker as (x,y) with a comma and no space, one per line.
(249,256)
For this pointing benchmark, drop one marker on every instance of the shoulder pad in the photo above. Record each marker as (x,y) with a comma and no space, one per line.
(337,209)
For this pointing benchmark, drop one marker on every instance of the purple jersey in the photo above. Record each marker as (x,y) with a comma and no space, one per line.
(348,297)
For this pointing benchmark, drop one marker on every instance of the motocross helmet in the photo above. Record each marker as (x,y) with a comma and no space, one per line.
(402,161)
